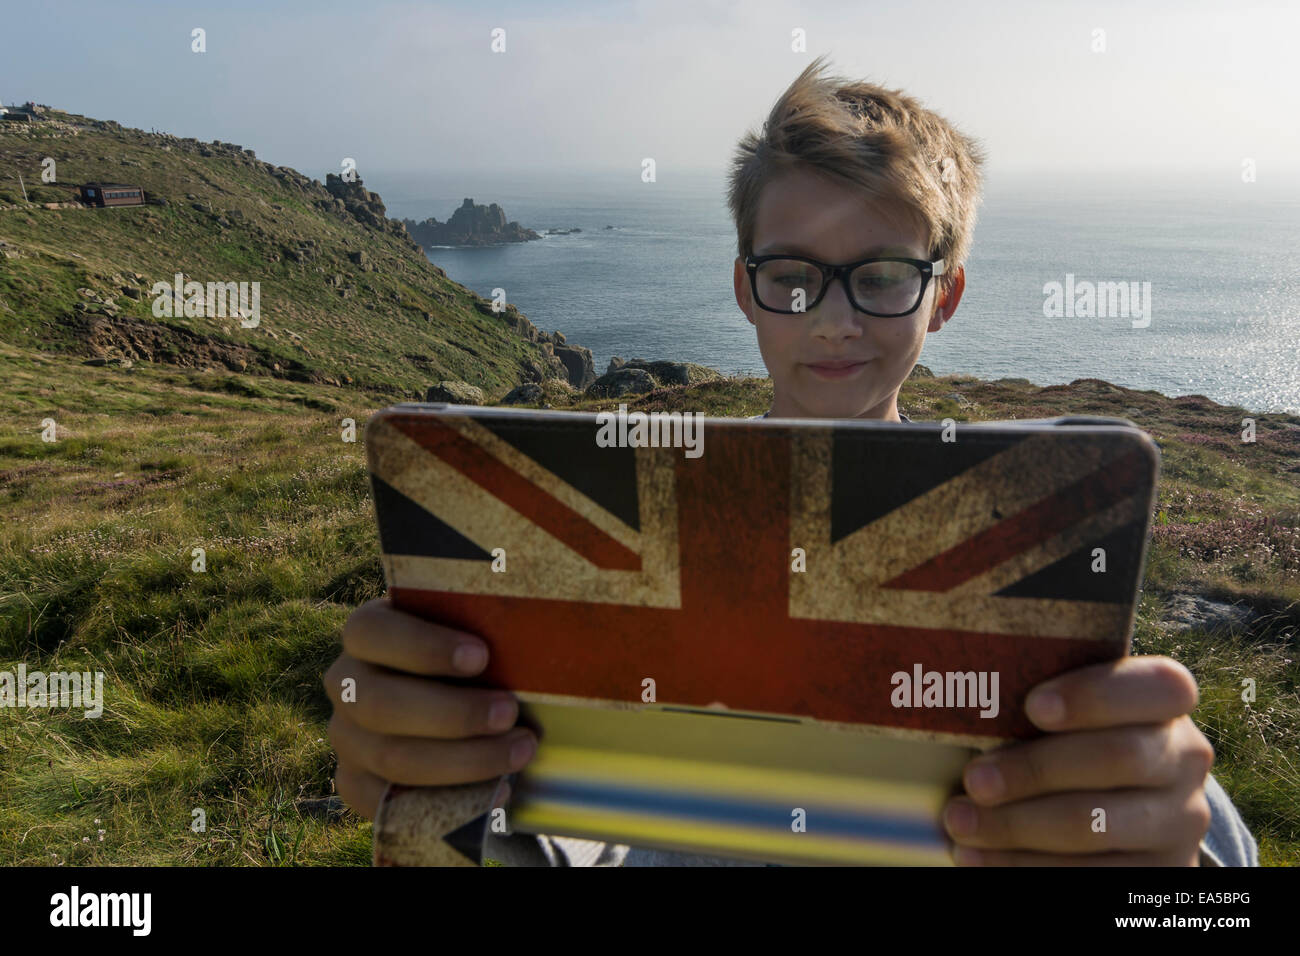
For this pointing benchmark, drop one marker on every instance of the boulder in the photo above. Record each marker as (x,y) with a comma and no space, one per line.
(660,373)
(1188,612)
(530,393)
(455,393)
(577,363)
(623,381)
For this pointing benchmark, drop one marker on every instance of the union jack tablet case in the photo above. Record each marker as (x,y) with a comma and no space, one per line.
(777,640)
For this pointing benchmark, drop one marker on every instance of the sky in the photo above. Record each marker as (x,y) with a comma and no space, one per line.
(405,87)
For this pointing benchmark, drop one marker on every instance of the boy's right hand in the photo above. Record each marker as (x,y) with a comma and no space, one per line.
(405,726)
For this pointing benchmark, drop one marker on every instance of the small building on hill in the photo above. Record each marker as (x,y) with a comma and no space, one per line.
(111,194)
(27,113)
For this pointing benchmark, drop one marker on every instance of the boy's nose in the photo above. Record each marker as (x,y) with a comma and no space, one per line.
(835,318)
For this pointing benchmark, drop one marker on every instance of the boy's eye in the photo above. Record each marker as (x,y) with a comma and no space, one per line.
(791,274)
(874,283)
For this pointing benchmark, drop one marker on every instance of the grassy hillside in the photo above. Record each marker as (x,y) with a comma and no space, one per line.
(346,295)
(213,687)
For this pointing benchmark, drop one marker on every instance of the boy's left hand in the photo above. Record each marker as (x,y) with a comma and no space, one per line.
(1120,740)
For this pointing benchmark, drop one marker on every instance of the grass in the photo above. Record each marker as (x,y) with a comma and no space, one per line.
(213,697)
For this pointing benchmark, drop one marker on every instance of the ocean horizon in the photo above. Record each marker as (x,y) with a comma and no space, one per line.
(1212,253)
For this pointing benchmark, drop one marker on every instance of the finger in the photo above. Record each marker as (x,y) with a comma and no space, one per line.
(1150,756)
(379,633)
(360,790)
(387,702)
(966,856)
(1131,690)
(1132,820)
(419,762)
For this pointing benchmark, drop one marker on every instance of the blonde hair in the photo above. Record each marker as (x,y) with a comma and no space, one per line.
(880,141)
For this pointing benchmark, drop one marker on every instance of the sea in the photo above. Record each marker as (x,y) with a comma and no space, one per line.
(650,274)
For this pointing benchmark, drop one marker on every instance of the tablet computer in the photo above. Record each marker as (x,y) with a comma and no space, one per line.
(776,639)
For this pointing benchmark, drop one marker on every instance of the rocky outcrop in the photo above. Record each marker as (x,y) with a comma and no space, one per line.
(470,225)
(360,203)
(638,375)
(622,381)
(455,393)
(577,362)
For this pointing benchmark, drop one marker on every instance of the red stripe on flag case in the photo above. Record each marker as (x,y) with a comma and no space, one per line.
(1025,529)
(733,640)
(502,482)
(823,669)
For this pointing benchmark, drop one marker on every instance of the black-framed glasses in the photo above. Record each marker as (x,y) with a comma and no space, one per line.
(885,287)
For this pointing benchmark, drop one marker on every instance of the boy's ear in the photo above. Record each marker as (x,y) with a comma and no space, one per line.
(946,302)
(744,298)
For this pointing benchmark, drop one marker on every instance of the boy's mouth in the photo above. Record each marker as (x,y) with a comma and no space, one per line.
(837,368)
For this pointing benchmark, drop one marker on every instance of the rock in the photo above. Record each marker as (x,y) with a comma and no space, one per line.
(623,381)
(1013,381)
(558,337)
(455,393)
(1187,612)
(577,363)
(530,393)
(920,371)
(960,399)
(470,225)
(357,201)
(675,373)
(330,808)
(661,374)
(131,292)
(358,257)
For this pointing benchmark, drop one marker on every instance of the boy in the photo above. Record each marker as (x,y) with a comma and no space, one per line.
(843,174)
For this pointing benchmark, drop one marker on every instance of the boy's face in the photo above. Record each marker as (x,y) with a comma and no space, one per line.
(808,214)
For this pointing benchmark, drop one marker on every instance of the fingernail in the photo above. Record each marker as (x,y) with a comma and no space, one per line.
(984,780)
(961,818)
(522,752)
(501,715)
(1045,708)
(965,856)
(469,657)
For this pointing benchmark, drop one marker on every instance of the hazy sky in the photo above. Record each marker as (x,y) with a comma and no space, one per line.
(415,86)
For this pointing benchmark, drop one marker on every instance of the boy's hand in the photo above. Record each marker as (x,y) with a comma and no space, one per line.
(1121,741)
(405,727)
